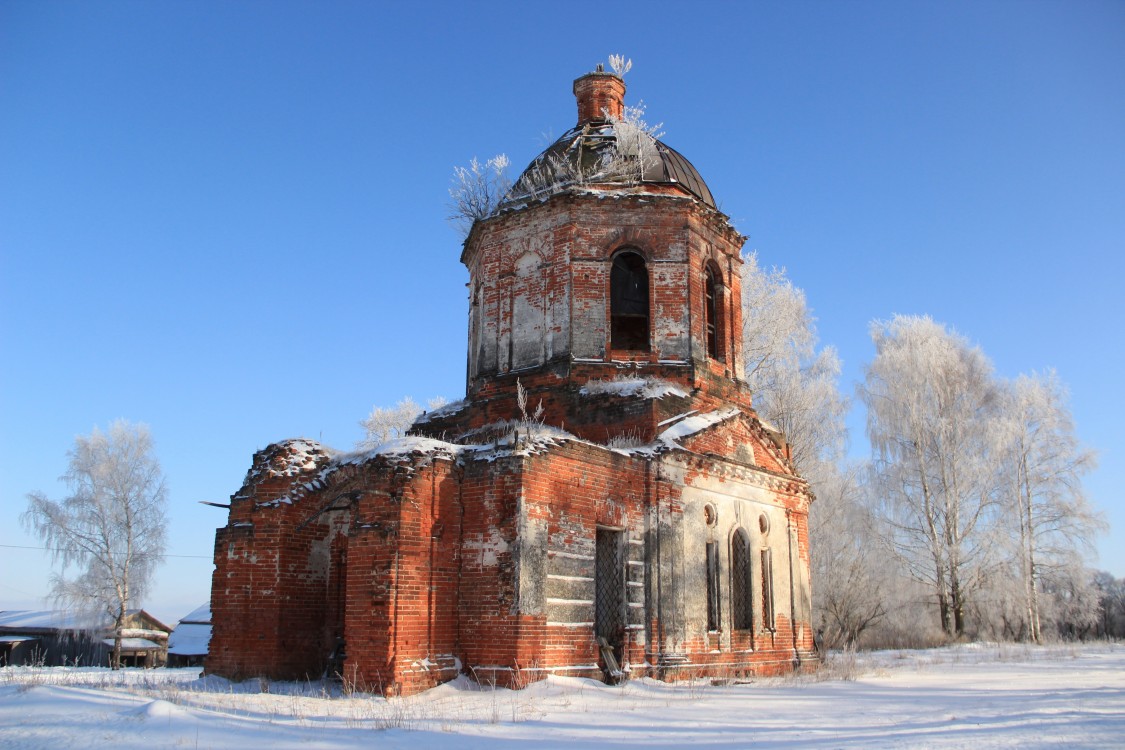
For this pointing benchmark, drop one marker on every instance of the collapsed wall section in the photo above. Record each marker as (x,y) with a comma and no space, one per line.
(404,574)
(276,590)
(685,557)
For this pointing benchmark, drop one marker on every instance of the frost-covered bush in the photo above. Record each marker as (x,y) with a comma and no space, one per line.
(477,191)
(389,423)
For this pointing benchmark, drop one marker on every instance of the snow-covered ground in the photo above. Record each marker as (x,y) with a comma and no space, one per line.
(975,696)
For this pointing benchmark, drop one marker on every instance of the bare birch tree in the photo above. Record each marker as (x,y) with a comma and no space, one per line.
(794,384)
(1044,465)
(931,409)
(851,569)
(112,528)
(795,389)
(1111,605)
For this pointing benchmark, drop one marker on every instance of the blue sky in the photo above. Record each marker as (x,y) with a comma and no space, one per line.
(227,219)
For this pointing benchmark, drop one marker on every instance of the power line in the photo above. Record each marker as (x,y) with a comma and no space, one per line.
(18,591)
(55,549)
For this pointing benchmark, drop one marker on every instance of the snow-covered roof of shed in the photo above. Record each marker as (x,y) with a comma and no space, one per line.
(189,639)
(201,614)
(51,619)
(134,644)
(47,620)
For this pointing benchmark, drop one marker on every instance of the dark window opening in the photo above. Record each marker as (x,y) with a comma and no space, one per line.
(713,586)
(767,589)
(712,318)
(741,581)
(628,303)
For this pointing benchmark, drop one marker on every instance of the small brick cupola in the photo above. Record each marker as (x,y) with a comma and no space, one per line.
(600,96)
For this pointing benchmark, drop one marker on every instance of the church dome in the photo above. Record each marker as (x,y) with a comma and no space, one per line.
(606,147)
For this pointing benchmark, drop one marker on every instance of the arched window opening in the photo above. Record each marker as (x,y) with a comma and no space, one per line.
(712,315)
(767,590)
(628,303)
(713,615)
(741,596)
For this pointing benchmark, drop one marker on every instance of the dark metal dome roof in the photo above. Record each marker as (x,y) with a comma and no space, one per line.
(605,152)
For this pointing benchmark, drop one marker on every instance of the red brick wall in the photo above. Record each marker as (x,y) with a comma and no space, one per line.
(575,236)
(599,94)
(432,572)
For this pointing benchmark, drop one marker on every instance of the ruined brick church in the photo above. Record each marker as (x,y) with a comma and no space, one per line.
(603,503)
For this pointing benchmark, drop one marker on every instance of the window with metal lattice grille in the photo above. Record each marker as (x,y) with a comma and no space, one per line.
(609,588)
(741,596)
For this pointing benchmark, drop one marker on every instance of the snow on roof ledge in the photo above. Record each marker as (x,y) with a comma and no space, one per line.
(508,437)
(634,386)
(692,425)
(403,446)
(441,412)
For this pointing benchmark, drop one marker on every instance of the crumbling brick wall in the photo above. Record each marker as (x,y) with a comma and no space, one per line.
(487,544)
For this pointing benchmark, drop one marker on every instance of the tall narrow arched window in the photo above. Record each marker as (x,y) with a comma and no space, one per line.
(767,574)
(712,314)
(713,613)
(628,302)
(741,595)
(767,589)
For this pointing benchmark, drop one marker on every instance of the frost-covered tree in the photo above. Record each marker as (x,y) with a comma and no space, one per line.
(794,384)
(1051,522)
(931,415)
(1111,605)
(1071,601)
(851,569)
(111,531)
(384,424)
(794,387)
(477,191)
